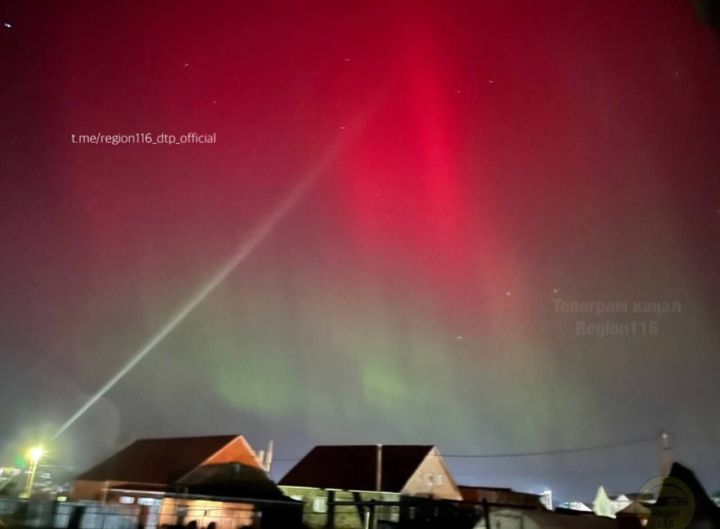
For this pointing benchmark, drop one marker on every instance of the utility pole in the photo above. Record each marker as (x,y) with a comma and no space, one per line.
(486,513)
(666,456)
(269,456)
(378,469)
(378,486)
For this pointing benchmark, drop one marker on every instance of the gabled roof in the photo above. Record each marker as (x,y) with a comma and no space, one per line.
(230,480)
(354,467)
(159,461)
(636,508)
(705,514)
(619,497)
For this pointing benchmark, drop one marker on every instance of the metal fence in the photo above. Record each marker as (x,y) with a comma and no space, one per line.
(148,514)
(67,515)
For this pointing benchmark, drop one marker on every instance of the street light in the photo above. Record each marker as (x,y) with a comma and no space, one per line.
(34,455)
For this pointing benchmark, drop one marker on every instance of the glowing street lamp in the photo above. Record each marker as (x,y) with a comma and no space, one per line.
(34,455)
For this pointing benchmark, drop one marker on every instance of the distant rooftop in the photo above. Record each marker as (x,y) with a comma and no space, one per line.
(159,461)
(353,467)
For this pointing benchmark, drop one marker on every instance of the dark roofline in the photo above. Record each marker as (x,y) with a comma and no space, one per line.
(234,440)
(499,489)
(291,477)
(87,475)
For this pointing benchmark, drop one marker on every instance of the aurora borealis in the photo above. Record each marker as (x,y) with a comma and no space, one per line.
(476,162)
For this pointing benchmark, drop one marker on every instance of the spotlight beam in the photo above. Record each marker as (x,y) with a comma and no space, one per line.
(256,237)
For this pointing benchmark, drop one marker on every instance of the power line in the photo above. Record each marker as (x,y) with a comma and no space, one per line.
(558,451)
(551,452)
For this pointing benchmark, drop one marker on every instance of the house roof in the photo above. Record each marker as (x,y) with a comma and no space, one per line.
(354,467)
(574,507)
(704,514)
(558,520)
(500,495)
(160,461)
(619,497)
(637,496)
(230,480)
(636,508)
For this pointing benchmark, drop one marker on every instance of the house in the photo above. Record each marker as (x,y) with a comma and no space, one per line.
(632,510)
(621,501)
(634,516)
(501,497)
(602,505)
(207,480)
(479,501)
(156,464)
(574,506)
(353,485)
(683,502)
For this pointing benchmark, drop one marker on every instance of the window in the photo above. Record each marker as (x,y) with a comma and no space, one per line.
(320,504)
(434,480)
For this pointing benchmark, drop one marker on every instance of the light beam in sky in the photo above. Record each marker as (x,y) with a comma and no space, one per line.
(256,237)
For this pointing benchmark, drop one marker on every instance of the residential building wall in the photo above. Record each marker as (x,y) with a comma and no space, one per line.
(91,490)
(500,496)
(225,515)
(319,513)
(432,480)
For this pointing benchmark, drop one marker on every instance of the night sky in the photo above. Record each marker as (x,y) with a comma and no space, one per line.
(471,170)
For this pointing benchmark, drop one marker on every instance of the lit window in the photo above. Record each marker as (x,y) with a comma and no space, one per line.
(320,505)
